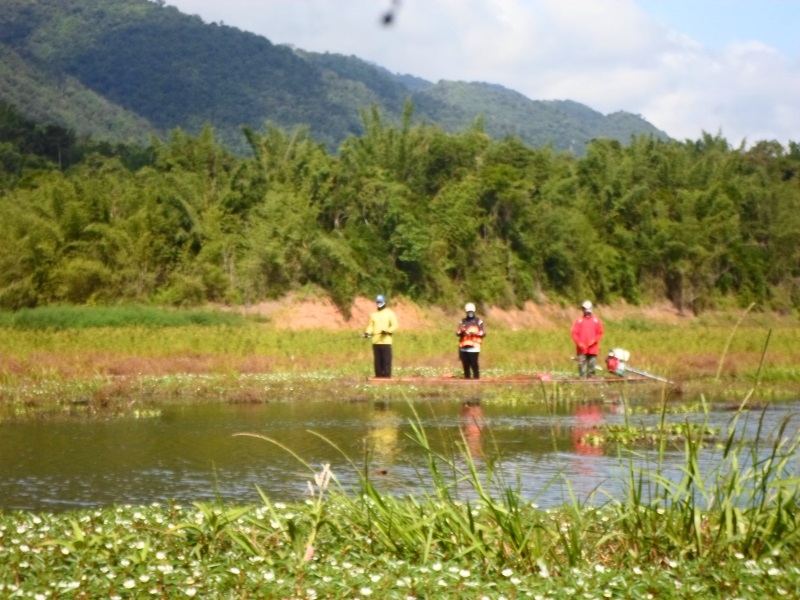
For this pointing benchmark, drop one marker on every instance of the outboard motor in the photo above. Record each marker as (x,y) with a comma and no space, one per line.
(617,361)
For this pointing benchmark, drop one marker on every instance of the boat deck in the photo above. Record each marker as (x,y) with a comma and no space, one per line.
(534,379)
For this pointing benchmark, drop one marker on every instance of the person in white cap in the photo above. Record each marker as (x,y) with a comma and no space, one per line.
(382,325)
(587,331)
(470,332)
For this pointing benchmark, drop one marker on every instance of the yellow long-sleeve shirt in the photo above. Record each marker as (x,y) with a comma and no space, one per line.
(380,321)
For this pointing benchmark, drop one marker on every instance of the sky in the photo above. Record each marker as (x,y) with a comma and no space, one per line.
(729,67)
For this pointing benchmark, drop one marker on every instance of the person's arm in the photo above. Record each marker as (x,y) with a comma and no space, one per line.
(580,347)
(370,330)
(390,324)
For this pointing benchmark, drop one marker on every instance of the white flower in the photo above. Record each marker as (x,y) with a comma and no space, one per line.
(464,573)
(269,576)
(507,572)
(190,592)
(436,566)
(234,570)
(599,568)
(128,584)
(543,570)
(323,478)
(365,591)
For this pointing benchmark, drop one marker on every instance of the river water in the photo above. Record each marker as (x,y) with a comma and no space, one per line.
(190,452)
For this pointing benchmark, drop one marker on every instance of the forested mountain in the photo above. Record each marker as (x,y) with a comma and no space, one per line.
(118,69)
(354,189)
(63,99)
(407,209)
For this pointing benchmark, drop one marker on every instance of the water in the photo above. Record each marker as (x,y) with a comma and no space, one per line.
(190,452)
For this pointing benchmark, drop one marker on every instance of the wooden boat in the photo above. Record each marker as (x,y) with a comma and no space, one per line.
(521,379)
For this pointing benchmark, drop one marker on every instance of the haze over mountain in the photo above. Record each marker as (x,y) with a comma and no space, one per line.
(124,69)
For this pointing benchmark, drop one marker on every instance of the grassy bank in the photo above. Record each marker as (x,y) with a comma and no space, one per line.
(108,359)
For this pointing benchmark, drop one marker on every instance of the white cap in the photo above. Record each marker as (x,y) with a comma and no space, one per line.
(587,306)
(469,307)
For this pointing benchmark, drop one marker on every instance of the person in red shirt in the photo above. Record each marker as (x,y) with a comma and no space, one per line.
(587,331)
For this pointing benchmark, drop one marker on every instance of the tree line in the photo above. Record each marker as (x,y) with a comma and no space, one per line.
(400,209)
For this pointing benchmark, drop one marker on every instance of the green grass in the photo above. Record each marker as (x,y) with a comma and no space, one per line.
(67,317)
(62,356)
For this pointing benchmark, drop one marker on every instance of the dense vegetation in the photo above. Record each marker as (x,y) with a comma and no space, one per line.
(120,69)
(404,210)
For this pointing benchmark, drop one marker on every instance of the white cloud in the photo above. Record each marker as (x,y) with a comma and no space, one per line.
(609,54)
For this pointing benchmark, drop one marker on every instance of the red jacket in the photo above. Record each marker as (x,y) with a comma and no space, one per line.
(587,332)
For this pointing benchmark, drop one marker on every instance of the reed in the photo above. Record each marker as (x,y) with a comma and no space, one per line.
(746,506)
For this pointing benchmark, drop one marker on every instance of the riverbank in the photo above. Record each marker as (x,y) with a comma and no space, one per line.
(222,552)
(99,368)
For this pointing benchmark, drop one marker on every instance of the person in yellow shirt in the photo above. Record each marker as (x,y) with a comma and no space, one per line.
(382,325)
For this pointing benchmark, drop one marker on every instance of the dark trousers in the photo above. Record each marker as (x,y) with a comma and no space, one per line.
(469,360)
(587,363)
(382,358)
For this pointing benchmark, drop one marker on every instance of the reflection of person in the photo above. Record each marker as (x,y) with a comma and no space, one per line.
(588,419)
(470,334)
(383,435)
(472,425)
(587,331)
(382,325)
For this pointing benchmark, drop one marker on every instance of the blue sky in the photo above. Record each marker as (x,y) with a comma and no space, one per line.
(717,23)
(720,66)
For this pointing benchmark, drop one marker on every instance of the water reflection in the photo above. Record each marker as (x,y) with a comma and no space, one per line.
(383,437)
(190,452)
(472,424)
(588,418)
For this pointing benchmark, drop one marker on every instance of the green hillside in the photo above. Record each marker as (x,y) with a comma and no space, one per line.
(118,68)
(64,100)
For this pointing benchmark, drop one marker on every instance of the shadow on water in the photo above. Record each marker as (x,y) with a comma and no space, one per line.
(189,452)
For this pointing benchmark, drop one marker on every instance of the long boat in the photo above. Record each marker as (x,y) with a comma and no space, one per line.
(532,379)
